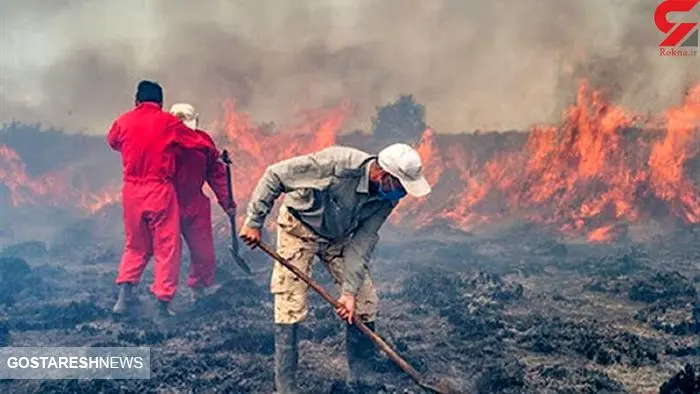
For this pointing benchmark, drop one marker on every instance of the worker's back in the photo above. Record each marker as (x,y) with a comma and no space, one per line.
(146,137)
(192,171)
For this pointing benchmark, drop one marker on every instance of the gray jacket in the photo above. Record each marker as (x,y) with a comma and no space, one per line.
(329,192)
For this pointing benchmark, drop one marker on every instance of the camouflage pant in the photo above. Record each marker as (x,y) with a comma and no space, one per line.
(300,245)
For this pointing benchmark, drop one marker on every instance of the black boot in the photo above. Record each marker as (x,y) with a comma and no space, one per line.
(197,294)
(125,300)
(197,301)
(286,358)
(164,310)
(361,355)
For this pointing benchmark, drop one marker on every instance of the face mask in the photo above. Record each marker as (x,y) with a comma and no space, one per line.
(393,195)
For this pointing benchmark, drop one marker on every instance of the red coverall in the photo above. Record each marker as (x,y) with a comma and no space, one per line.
(150,140)
(194,167)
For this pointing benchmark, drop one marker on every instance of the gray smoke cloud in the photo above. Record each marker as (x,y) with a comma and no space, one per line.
(475,64)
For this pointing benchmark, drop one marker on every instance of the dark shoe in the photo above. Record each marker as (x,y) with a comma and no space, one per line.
(196,294)
(362,355)
(164,310)
(125,300)
(286,358)
(198,301)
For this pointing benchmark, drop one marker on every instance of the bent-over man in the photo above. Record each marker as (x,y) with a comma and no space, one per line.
(336,200)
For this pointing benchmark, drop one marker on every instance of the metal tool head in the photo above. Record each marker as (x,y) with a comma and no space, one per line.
(225,157)
(239,260)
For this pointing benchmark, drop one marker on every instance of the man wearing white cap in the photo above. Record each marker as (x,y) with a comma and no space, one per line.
(194,168)
(336,200)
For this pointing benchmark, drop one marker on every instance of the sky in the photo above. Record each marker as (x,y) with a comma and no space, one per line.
(496,65)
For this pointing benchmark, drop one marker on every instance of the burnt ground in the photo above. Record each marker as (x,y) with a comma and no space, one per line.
(507,311)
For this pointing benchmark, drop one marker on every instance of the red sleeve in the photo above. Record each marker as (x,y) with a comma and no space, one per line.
(216,176)
(185,138)
(114,136)
(181,135)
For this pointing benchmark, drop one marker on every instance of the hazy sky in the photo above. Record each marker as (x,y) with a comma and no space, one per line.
(475,64)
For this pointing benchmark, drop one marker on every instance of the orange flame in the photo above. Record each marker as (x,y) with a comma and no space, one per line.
(52,189)
(582,176)
(253,148)
(599,169)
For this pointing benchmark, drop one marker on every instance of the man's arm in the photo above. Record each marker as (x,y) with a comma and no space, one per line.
(182,136)
(308,171)
(114,136)
(359,251)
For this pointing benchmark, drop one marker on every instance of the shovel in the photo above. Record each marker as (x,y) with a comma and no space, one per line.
(381,344)
(233,248)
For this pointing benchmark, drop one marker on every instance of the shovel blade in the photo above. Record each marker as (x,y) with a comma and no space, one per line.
(239,260)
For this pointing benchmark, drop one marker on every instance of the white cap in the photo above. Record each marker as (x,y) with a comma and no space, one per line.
(187,113)
(403,162)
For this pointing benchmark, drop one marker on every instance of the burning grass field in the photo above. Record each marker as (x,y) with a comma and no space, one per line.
(559,260)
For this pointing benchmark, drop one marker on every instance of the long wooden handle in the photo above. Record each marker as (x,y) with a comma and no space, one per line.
(229,182)
(381,344)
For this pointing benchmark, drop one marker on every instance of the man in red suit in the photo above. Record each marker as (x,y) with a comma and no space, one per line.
(150,140)
(194,168)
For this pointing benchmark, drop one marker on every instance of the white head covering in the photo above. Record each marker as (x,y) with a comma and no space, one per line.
(403,162)
(187,113)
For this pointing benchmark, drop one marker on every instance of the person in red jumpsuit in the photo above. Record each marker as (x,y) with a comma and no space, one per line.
(149,140)
(194,168)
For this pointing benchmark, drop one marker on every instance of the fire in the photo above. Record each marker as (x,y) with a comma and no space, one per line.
(602,166)
(52,189)
(600,169)
(601,234)
(253,148)
(14,177)
(669,157)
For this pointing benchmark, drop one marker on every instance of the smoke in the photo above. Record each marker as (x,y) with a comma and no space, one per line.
(475,64)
